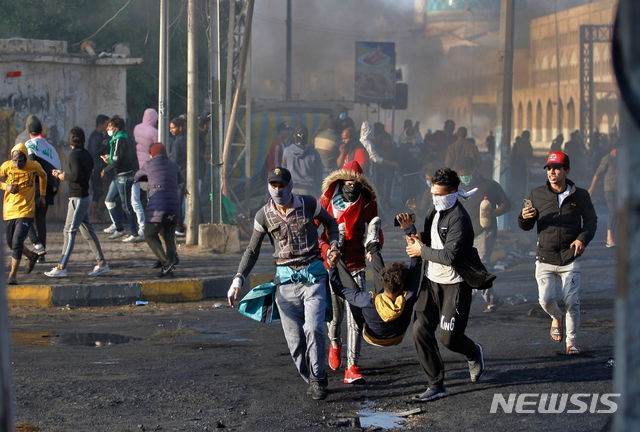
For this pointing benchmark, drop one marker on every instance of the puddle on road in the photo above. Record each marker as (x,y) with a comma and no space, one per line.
(381,419)
(94,339)
(71,339)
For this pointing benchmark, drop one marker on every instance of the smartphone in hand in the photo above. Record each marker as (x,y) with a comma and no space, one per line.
(527,203)
(396,223)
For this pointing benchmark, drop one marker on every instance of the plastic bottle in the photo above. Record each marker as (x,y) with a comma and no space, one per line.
(485,206)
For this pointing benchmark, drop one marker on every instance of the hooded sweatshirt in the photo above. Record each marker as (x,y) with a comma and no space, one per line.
(355,217)
(145,134)
(366,139)
(21,204)
(305,166)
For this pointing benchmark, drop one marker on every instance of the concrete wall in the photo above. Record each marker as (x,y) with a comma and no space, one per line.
(63,90)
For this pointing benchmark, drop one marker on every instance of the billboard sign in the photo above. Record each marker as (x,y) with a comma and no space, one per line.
(375,72)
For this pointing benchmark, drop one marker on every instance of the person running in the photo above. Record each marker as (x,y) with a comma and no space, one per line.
(485,236)
(350,197)
(566,222)
(19,205)
(608,169)
(453,270)
(301,295)
(163,209)
(78,174)
(41,151)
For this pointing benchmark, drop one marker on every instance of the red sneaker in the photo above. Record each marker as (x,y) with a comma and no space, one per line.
(352,375)
(335,356)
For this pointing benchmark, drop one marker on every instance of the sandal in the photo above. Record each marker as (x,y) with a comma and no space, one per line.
(573,350)
(31,263)
(612,244)
(556,331)
(12,281)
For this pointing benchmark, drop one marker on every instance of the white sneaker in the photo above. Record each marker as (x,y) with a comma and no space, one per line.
(130,239)
(97,270)
(56,272)
(117,234)
(141,237)
(180,233)
(373,232)
(39,249)
(110,229)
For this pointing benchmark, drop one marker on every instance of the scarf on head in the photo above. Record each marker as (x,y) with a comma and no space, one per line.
(388,309)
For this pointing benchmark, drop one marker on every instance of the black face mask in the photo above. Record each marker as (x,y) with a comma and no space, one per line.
(351,193)
(300,140)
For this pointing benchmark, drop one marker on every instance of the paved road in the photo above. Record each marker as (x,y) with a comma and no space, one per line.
(192,366)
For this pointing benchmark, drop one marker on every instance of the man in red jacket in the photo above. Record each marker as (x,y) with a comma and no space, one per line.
(350,197)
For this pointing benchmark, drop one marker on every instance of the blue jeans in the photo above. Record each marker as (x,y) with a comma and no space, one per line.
(302,310)
(120,188)
(136,204)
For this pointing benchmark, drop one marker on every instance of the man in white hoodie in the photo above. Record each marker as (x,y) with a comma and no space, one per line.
(367,139)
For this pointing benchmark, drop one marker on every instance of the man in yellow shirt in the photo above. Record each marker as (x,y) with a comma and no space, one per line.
(19,205)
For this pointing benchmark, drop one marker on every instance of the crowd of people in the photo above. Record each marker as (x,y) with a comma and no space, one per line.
(340,224)
(329,198)
(133,176)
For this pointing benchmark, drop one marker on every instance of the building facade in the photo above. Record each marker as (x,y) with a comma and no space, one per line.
(546,84)
(63,90)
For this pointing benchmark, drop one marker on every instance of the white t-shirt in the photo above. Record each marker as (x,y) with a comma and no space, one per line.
(563,195)
(440,273)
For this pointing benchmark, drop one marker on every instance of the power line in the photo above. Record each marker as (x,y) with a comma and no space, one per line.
(103,25)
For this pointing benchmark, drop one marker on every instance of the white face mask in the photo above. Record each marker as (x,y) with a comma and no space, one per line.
(110,132)
(444,202)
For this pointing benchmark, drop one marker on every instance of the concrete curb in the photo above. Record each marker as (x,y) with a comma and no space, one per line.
(125,293)
(156,290)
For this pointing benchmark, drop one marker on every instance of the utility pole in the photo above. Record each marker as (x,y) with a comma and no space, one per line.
(242,63)
(216,112)
(289,64)
(217,182)
(193,207)
(163,75)
(505,88)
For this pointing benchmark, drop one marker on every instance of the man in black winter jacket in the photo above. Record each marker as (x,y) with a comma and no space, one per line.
(78,175)
(453,270)
(566,224)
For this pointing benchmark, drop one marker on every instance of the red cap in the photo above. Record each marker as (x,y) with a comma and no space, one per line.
(557,159)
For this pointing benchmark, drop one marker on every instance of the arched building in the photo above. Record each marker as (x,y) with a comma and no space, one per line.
(546,84)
